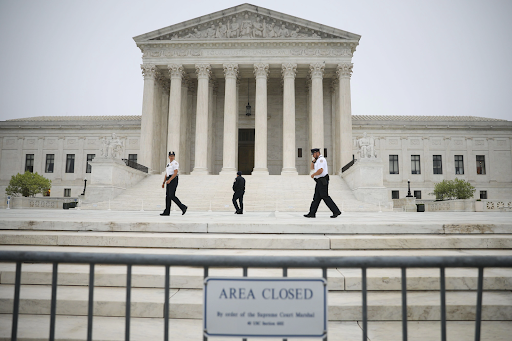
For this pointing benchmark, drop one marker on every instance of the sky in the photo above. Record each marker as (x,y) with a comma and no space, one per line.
(421,57)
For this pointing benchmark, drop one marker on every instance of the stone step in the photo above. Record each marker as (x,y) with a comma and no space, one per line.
(187,303)
(350,223)
(192,277)
(255,241)
(268,193)
(71,328)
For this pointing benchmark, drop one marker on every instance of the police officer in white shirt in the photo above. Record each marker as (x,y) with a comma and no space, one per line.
(321,176)
(171,179)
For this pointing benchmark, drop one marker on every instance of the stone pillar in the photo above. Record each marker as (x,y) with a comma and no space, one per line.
(59,166)
(490,167)
(212,95)
(344,70)
(147,132)
(428,162)
(309,145)
(174,126)
(201,148)
(80,159)
(260,120)
(289,71)
(164,119)
(157,126)
(335,127)
(183,125)
(237,119)
(449,162)
(317,105)
(230,120)
(40,158)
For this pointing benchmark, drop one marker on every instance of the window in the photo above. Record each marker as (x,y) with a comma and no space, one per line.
(132,157)
(459,164)
(393,164)
(438,164)
(50,160)
(90,157)
(70,163)
(417,194)
(325,152)
(415,164)
(29,163)
(480,164)
(67,192)
(395,194)
(483,194)
(299,152)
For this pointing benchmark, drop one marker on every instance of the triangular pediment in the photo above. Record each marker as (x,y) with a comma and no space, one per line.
(246,22)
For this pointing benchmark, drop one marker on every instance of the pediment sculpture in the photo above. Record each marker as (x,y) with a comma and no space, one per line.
(366,147)
(246,26)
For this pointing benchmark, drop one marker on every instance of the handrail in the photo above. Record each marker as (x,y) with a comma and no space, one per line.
(135,165)
(348,165)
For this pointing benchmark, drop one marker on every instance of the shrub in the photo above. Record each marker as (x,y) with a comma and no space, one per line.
(453,189)
(28,184)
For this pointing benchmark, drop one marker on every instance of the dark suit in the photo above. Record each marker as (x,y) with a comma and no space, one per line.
(239,189)
(170,194)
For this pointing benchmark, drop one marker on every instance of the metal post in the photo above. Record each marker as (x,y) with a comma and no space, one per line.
(16,307)
(128,301)
(365,304)
(205,338)
(404,304)
(90,312)
(53,308)
(324,275)
(478,319)
(166,304)
(443,304)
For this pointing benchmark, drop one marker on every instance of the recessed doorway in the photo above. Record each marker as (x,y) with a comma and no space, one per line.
(246,151)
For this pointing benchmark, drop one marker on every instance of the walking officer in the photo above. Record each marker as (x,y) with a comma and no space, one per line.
(321,176)
(239,189)
(171,179)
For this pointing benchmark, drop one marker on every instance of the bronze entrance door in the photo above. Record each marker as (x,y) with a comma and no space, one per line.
(246,151)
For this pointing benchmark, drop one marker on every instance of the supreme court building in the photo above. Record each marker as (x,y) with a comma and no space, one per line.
(254,90)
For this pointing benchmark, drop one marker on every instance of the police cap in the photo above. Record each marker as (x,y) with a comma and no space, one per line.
(315,150)
(238,173)
(171,153)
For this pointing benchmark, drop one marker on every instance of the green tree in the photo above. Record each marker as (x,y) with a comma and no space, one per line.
(453,189)
(28,184)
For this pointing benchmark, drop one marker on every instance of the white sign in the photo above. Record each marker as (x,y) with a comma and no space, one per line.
(265,307)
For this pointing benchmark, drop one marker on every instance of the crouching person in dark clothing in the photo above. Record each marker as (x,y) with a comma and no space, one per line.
(239,189)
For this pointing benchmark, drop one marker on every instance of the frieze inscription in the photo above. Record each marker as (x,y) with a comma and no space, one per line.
(343,52)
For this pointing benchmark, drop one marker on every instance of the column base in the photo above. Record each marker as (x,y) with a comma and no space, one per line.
(289,171)
(200,171)
(228,171)
(259,171)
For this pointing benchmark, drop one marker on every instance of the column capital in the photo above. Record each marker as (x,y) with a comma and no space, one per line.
(148,70)
(261,70)
(344,70)
(316,70)
(230,70)
(176,71)
(289,70)
(203,71)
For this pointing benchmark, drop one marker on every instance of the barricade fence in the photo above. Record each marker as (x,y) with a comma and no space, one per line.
(245,262)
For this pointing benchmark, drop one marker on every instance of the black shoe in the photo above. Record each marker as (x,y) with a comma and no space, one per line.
(335,215)
(309,215)
(184,211)
(239,212)
(164,213)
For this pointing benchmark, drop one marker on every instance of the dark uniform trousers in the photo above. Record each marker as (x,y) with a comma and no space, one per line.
(238,195)
(170,194)
(322,193)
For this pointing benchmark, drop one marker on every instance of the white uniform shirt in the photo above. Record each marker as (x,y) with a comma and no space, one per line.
(171,167)
(321,162)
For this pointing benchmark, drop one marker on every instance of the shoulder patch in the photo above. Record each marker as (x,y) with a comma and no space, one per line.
(321,160)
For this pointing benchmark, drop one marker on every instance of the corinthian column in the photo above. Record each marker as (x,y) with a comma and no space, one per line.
(260,138)
(173,138)
(289,72)
(147,131)
(201,149)
(230,120)
(344,70)
(317,105)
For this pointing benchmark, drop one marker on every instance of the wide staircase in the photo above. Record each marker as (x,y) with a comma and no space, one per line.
(214,193)
(344,299)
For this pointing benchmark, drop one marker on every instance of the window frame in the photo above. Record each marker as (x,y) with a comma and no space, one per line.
(393,168)
(70,163)
(459,164)
(29,163)
(480,170)
(88,167)
(47,163)
(415,164)
(393,192)
(437,165)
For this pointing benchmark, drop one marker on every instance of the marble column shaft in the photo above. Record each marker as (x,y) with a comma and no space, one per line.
(317,106)
(230,120)
(174,126)
(201,148)
(289,71)
(260,124)
(183,125)
(148,116)
(344,70)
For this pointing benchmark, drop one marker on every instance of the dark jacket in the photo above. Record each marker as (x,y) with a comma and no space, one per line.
(239,184)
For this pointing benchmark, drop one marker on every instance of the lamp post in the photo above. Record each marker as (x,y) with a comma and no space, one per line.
(408,188)
(85,185)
